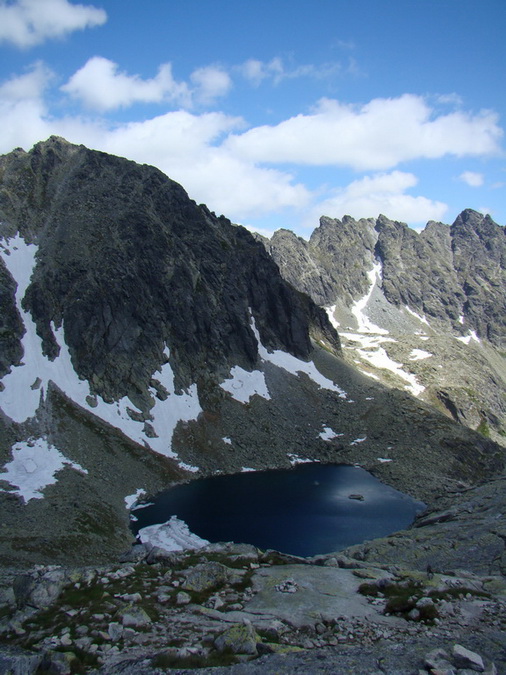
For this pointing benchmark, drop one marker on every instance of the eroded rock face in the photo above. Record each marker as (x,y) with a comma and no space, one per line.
(442,272)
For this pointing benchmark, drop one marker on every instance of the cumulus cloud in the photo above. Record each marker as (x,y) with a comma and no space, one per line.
(22,107)
(376,136)
(381,193)
(211,82)
(101,86)
(188,148)
(256,71)
(472,178)
(26,23)
(212,154)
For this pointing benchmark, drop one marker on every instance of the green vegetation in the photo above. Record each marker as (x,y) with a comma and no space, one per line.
(215,659)
(411,594)
(483,428)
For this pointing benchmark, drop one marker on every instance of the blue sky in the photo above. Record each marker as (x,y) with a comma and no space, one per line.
(273,112)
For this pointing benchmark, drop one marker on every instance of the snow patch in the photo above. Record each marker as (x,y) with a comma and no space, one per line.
(247,469)
(330,313)
(227,440)
(294,365)
(174,535)
(33,467)
(383,459)
(365,325)
(466,339)
(367,341)
(297,459)
(365,372)
(242,384)
(328,434)
(419,354)
(380,359)
(372,352)
(417,316)
(359,440)
(188,467)
(131,500)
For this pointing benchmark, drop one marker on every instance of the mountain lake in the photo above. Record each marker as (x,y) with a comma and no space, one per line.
(307,510)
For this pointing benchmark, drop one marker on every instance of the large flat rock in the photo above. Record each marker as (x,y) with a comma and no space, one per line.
(318,593)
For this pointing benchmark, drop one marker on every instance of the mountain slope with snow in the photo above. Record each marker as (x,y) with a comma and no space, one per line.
(424,312)
(146,341)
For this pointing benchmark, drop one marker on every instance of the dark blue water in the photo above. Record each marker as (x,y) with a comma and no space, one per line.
(304,511)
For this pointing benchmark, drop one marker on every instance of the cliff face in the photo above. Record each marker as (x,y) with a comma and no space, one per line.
(439,295)
(455,274)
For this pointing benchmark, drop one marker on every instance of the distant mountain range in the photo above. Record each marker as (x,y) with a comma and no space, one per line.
(425,311)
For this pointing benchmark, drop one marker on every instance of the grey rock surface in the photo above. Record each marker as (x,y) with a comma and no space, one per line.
(444,272)
(337,620)
(437,306)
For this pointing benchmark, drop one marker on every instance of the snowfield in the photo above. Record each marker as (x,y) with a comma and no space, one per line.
(33,468)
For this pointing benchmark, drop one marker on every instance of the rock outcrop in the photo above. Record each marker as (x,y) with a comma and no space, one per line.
(145,341)
(263,614)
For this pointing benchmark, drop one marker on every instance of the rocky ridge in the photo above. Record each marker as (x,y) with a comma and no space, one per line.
(127,263)
(149,342)
(423,311)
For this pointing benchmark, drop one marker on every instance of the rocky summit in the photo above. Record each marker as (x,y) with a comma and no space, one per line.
(144,342)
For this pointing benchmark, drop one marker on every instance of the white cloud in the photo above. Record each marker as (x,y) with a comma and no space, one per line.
(31,85)
(211,82)
(215,159)
(22,108)
(381,193)
(472,178)
(100,86)
(26,23)
(378,135)
(256,71)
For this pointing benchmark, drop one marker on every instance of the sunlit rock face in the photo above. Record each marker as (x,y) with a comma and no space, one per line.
(423,311)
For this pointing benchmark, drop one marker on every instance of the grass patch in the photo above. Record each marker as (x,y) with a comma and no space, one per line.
(213,660)
(402,598)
